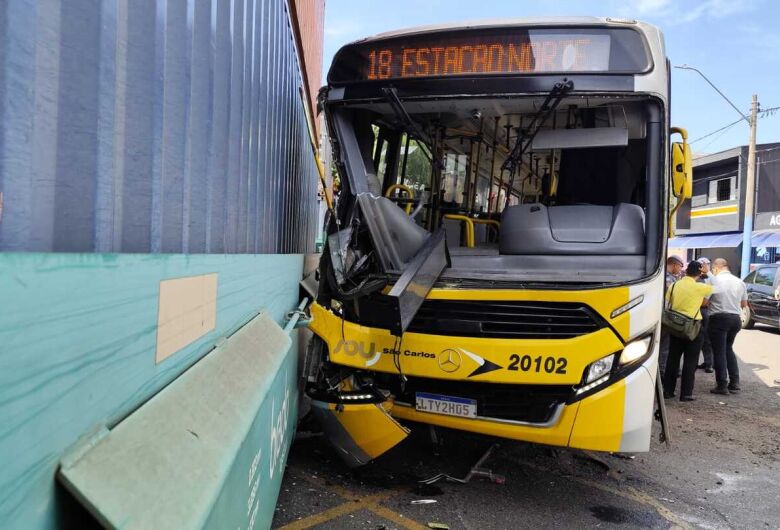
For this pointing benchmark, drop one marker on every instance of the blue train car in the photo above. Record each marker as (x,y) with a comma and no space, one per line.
(158,195)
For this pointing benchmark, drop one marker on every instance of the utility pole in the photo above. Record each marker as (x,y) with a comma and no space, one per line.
(750,177)
(750,191)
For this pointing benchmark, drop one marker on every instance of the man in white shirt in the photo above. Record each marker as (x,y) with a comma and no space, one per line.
(729,296)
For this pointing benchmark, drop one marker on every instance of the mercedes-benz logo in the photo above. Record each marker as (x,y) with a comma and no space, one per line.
(449,360)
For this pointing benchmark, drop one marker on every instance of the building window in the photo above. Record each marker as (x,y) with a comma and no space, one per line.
(722,190)
(765,255)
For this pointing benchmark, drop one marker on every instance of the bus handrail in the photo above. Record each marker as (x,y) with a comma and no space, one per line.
(409,191)
(488,222)
(469,226)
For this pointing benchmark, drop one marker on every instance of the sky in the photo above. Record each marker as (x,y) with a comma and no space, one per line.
(735,43)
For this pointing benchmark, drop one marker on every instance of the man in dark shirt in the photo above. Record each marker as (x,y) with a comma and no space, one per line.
(674,266)
(706,345)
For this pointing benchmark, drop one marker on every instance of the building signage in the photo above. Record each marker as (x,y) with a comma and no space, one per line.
(767,221)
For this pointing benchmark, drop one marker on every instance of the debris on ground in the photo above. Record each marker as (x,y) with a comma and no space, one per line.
(475,471)
(424,501)
(427,490)
(439,526)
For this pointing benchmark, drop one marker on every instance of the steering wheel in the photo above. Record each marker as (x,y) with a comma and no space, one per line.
(409,191)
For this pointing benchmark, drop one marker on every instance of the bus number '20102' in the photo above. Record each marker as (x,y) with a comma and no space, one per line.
(526,363)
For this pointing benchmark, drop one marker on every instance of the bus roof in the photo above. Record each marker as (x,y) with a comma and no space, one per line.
(508,22)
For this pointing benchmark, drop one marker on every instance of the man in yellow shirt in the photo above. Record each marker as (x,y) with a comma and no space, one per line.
(686,296)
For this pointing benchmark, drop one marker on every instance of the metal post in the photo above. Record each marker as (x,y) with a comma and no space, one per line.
(406,159)
(750,191)
(492,166)
(473,197)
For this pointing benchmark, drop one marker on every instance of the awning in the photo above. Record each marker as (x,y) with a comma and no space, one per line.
(765,238)
(717,240)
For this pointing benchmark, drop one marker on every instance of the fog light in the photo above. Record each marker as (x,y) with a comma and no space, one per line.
(356,397)
(599,368)
(591,386)
(635,350)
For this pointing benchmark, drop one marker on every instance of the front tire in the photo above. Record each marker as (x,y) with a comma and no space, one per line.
(747,318)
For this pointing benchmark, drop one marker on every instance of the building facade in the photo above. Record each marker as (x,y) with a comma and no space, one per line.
(711,223)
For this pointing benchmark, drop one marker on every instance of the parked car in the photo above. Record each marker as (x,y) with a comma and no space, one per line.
(763,288)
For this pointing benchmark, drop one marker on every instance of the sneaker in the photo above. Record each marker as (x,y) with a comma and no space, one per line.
(702,366)
(708,370)
(687,398)
(722,390)
(667,395)
(734,389)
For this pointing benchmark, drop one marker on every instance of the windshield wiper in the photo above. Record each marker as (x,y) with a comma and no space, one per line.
(524,139)
(412,126)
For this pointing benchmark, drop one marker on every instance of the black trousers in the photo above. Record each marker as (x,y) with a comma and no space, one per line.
(706,344)
(723,329)
(689,351)
(663,351)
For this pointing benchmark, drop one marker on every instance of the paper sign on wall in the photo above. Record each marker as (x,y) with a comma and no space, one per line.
(187,311)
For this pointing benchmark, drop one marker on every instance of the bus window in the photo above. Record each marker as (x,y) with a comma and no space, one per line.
(379,152)
(481,199)
(454,180)
(416,168)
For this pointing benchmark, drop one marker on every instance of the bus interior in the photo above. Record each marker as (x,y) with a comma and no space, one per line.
(563,189)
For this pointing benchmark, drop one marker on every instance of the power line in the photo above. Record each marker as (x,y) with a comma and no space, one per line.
(761,114)
(732,124)
(716,138)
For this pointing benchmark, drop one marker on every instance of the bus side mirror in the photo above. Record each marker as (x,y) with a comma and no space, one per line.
(682,166)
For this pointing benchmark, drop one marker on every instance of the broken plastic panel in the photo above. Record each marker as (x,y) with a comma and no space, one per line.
(359,432)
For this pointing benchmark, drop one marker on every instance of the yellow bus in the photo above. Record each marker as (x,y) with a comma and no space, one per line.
(494,257)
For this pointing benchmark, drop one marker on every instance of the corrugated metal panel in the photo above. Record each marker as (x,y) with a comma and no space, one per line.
(153,126)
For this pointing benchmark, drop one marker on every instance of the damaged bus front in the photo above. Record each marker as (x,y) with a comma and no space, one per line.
(493,260)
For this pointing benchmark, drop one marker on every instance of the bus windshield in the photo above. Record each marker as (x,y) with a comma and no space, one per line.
(568,189)
(533,178)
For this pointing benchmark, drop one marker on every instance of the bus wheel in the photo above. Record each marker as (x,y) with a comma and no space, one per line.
(747,318)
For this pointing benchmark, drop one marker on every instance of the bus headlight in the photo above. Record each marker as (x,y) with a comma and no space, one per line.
(599,368)
(596,375)
(635,350)
(612,367)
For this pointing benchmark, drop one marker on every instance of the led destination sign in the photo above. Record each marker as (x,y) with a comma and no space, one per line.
(508,51)
(549,54)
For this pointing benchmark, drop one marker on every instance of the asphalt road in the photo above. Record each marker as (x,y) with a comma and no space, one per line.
(722,471)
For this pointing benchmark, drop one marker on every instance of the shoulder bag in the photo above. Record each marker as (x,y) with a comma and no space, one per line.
(677,324)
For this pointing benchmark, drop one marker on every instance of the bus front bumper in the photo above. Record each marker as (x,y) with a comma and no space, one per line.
(618,418)
(614,417)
